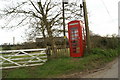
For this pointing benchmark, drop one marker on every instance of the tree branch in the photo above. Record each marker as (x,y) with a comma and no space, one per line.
(34,6)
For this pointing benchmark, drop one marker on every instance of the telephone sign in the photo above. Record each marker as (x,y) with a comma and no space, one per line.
(76,38)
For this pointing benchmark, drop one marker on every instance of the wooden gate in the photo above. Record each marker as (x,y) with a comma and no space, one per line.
(22,58)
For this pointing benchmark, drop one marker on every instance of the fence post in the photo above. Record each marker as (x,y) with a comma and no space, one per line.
(48,52)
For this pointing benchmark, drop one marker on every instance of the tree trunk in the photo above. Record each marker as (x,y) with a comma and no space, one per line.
(51,40)
(44,37)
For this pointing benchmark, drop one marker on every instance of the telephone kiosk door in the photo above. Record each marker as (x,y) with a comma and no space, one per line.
(75,38)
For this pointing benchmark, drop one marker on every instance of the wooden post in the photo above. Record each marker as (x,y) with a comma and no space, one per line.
(86,26)
(64,2)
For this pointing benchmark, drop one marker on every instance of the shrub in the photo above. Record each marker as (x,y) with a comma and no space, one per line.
(106,52)
(105,42)
(97,51)
(6,47)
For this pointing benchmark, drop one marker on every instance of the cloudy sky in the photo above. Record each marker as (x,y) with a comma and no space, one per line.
(103,20)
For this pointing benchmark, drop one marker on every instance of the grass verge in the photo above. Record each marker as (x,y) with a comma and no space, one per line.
(64,65)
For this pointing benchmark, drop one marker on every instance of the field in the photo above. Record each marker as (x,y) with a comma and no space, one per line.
(0,48)
(55,68)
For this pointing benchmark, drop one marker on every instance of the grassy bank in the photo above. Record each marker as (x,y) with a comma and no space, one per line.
(64,65)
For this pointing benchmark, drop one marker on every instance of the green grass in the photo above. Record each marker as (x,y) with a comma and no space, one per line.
(0,48)
(64,65)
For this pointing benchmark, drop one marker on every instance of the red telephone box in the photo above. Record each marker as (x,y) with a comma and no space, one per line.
(76,37)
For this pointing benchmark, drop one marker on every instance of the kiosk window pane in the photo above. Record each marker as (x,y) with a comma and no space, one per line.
(74,35)
(74,41)
(73,28)
(74,31)
(74,38)
(74,45)
(76,50)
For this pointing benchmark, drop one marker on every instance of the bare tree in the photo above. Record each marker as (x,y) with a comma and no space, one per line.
(43,18)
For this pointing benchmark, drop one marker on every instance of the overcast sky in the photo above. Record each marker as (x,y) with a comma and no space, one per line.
(103,20)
